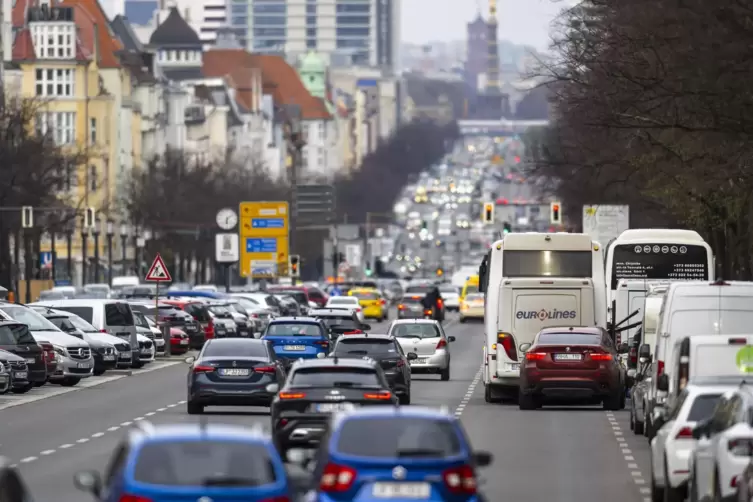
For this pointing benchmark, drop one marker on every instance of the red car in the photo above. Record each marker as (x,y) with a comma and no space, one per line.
(572,363)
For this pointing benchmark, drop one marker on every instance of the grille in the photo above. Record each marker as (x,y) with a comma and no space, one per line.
(122,347)
(16,365)
(79,352)
(145,345)
(106,351)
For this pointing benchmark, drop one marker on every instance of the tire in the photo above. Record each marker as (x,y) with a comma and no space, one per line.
(39,384)
(194,408)
(70,381)
(445,374)
(612,403)
(657,493)
(638,427)
(137,365)
(99,372)
(405,399)
(22,390)
(489,396)
(527,401)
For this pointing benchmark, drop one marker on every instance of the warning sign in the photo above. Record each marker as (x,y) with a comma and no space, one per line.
(158,271)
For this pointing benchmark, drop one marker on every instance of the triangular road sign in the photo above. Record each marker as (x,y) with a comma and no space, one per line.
(158,271)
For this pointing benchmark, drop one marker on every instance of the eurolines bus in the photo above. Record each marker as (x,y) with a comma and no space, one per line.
(533,281)
(657,254)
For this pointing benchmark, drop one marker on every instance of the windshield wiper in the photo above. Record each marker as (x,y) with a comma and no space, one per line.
(228,481)
(420,452)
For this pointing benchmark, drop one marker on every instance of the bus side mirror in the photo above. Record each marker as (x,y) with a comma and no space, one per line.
(662,383)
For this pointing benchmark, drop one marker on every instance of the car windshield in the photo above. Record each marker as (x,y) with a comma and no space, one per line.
(298,296)
(235,348)
(204,462)
(86,313)
(198,311)
(16,334)
(568,339)
(219,310)
(335,376)
(448,290)
(33,319)
(703,407)
(399,437)
(475,297)
(62,323)
(293,329)
(341,323)
(81,324)
(365,347)
(418,289)
(415,330)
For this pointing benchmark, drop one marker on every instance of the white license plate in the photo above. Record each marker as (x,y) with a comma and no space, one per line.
(21,375)
(333,407)
(124,355)
(402,490)
(234,372)
(31,360)
(108,358)
(514,367)
(184,342)
(145,352)
(419,361)
(83,366)
(294,347)
(568,357)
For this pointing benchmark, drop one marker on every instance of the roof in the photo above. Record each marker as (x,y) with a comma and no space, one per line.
(123,30)
(174,31)
(87,14)
(341,312)
(279,79)
(302,319)
(367,336)
(330,362)
(587,330)
(400,411)
(146,431)
(414,321)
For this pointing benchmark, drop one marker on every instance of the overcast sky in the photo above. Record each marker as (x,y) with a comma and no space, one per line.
(520,21)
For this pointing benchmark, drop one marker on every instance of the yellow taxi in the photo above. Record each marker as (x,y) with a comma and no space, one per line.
(372,303)
(472,307)
(470,286)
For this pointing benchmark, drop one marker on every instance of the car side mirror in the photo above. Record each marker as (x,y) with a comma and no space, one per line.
(482,458)
(662,383)
(623,348)
(88,481)
(524,347)
(412,356)
(190,360)
(451,339)
(644,352)
(701,430)
(272,388)
(367,327)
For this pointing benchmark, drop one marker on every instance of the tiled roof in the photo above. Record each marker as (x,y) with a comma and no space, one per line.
(139,65)
(87,14)
(279,79)
(18,14)
(23,47)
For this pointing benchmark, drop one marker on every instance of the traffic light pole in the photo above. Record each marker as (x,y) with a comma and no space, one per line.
(227,278)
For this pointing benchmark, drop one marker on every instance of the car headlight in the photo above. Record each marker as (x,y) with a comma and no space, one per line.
(60,350)
(2,368)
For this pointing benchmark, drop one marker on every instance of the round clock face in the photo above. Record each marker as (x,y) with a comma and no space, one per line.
(227,219)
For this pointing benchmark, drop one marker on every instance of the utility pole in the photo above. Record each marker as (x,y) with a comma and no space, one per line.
(294,142)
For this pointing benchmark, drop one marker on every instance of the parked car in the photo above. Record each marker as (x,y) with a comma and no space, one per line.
(180,343)
(17,340)
(263,300)
(17,370)
(200,314)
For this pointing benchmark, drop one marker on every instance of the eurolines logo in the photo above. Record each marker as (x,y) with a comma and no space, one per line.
(744,359)
(542,315)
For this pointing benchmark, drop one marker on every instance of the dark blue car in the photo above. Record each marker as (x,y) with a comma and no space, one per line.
(189,462)
(296,338)
(407,453)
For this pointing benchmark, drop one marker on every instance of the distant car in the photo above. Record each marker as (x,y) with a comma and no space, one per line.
(412,307)
(346,302)
(472,307)
(427,340)
(372,303)
(451,296)
(297,338)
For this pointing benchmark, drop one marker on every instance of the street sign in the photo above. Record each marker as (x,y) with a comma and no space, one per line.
(226,248)
(315,204)
(45,259)
(604,223)
(158,271)
(264,236)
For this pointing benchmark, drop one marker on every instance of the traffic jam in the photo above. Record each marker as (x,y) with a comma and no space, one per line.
(494,356)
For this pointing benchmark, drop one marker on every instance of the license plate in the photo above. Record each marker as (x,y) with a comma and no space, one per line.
(234,372)
(21,375)
(190,328)
(108,358)
(402,490)
(124,355)
(333,407)
(294,347)
(568,357)
(31,361)
(515,367)
(145,352)
(83,366)
(184,342)
(418,361)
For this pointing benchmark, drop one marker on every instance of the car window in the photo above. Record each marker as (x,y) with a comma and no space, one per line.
(33,319)
(62,323)
(677,405)
(298,296)
(343,300)
(16,334)
(293,329)
(703,407)
(86,313)
(234,348)
(315,294)
(116,465)
(139,319)
(327,376)
(205,462)
(569,339)
(82,325)
(361,346)
(412,300)
(118,314)
(399,437)
(416,330)
(198,311)
(418,289)
(475,297)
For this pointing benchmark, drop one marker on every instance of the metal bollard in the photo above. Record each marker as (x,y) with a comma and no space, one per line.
(166,338)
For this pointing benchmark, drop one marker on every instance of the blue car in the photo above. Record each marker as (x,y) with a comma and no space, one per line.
(189,462)
(408,453)
(296,338)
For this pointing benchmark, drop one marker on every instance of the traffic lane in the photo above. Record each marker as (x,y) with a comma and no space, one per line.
(634,447)
(569,453)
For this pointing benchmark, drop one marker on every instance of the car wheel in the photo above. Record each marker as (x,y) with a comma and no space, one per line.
(612,402)
(671,494)
(99,372)
(22,390)
(657,493)
(527,401)
(137,365)
(69,381)
(194,408)
(445,374)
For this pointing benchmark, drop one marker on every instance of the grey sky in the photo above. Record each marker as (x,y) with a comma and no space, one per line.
(520,21)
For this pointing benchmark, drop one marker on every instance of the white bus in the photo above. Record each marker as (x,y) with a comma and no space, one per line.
(532,281)
(657,254)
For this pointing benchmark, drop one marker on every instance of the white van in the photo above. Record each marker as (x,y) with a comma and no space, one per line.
(629,297)
(526,306)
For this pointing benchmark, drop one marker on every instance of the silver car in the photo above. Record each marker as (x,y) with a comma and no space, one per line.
(427,339)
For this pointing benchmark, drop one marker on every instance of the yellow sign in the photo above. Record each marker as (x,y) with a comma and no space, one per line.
(264,235)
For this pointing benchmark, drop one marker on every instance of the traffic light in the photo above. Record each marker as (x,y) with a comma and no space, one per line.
(555,213)
(506,228)
(89,216)
(440,272)
(488,214)
(294,265)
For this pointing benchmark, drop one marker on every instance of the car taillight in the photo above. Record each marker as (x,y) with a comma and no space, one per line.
(460,480)
(685,433)
(535,356)
(322,343)
(427,312)
(133,498)
(203,369)
(633,355)
(401,307)
(442,343)
(659,368)
(601,357)
(378,396)
(282,498)
(254,316)
(103,331)
(382,302)
(507,342)
(440,303)
(264,369)
(337,478)
(291,395)
(354,332)
(400,363)
(740,447)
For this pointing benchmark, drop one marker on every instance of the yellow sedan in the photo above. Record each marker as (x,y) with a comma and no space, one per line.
(372,303)
(472,307)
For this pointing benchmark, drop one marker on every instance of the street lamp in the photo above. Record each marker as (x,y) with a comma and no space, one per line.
(124,231)
(110,230)
(84,251)
(70,227)
(95,232)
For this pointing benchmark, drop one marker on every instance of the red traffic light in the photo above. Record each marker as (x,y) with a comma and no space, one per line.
(502,201)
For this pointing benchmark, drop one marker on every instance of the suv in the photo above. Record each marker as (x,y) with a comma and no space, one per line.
(16,339)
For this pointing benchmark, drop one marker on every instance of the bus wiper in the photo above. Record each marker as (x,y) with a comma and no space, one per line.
(420,452)
(228,481)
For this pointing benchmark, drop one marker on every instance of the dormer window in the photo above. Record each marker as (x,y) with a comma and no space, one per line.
(54,40)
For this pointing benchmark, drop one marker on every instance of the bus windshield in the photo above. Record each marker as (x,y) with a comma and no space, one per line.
(538,263)
(659,262)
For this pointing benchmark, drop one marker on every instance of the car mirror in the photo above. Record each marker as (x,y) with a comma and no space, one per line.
(190,360)
(450,339)
(272,388)
(482,458)
(524,347)
(699,431)
(662,383)
(367,327)
(623,348)
(412,356)
(88,481)
(644,352)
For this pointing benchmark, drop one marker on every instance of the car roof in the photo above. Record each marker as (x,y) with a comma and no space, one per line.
(367,336)
(9,322)
(584,330)
(330,311)
(398,411)
(147,432)
(302,319)
(82,301)
(328,362)
(415,321)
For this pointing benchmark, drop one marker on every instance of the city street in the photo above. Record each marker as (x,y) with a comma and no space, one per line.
(571,454)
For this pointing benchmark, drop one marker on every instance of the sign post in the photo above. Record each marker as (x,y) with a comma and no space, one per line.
(226,252)
(264,234)
(158,273)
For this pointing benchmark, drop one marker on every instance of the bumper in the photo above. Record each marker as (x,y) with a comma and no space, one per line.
(678,462)
(472,313)
(159,344)
(124,360)
(374,312)
(562,387)
(431,364)
(502,373)
(298,430)
(100,363)
(40,375)
(73,368)
(146,355)
(179,345)
(231,395)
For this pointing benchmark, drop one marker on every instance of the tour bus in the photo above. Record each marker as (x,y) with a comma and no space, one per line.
(657,254)
(532,281)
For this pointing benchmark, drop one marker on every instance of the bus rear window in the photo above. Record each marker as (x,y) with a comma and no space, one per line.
(547,263)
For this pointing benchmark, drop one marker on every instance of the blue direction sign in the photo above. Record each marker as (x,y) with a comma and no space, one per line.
(263,245)
(267,223)
(45,259)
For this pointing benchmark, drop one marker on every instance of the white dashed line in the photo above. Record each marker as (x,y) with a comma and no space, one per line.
(468,394)
(627,454)
(65,446)
(126,424)
(98,434)
(47,452)
(113,428)
(27,460)
(83,440)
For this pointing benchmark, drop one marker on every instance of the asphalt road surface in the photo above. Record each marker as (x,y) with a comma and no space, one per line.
(565,454)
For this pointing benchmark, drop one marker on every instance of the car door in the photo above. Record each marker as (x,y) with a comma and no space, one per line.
(658,445)
(703,457)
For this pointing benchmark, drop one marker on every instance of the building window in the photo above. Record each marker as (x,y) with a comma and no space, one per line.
(54,41)
(55,83)
(352,31)
(61,126)
(93,131)
(311,43)
(93,182)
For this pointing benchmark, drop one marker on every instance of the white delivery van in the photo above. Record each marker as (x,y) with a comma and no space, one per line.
(526,306)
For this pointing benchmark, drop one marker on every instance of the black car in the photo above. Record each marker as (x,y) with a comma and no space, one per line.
(315,389)
(387,352)
(104,353)
(16,338)
(233,372)
(288,305)
(19,372)
(339,321)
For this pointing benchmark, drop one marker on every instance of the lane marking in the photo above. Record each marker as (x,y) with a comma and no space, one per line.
(65,446)
(469,393)
(27,460)
(47,452)
(627,455)
(98,434)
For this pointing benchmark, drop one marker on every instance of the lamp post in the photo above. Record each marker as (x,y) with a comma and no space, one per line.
(84,252)
(110,231)
(124,246)
(95,232)
(69,229)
